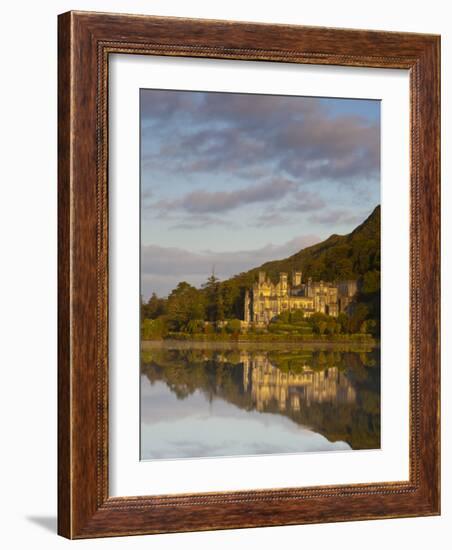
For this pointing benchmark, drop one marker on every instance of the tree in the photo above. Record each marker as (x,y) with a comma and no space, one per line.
(359,314)
(371,282)
(233,298)
(185,304)
(331,326)
(214,299)
(219,306)
(154,308)
(319,322)
(342,321)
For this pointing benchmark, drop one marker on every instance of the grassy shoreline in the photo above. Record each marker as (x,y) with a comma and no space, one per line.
(269,337)
(221,340)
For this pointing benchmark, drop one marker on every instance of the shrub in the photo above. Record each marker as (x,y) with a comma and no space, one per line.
(297,316)
(208,328)
(153,329)
(233,326)
(195,326)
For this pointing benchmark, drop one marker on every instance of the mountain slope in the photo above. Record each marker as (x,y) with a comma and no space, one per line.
(338,257)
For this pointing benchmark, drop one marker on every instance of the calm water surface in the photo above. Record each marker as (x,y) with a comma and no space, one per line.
(222,399)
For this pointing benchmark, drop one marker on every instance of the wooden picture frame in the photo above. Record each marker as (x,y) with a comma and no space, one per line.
(85,42)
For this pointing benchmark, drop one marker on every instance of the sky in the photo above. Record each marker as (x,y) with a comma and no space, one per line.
(197,426)
(230,181)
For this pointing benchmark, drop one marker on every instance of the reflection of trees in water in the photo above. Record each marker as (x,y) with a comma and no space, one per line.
(334,393)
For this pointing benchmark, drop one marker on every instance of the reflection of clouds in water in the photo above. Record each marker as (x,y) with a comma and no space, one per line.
(196,427)
(159,404)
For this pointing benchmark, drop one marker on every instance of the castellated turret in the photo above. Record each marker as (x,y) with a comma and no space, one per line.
(283,281)
(296,278)
(247,316)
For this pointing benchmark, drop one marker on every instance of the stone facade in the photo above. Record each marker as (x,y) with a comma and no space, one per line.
(266,299)
(292,391)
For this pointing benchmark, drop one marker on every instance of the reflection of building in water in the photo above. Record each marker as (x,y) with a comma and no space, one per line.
(268,384)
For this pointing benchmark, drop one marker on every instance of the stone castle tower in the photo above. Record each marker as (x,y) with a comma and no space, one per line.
(266,300)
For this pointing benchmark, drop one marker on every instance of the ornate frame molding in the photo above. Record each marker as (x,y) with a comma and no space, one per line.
(85,42)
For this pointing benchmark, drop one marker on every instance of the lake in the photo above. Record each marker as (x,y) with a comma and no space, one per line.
(211,399)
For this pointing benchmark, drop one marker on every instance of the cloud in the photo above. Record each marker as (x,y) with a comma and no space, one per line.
(202,202)
(308,163)
(305,201)
(163,267)
(206,133)
(338,216)
(273,217)
(299,202)
(200,221)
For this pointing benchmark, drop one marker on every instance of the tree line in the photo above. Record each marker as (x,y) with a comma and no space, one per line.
(220,303)
(218,307)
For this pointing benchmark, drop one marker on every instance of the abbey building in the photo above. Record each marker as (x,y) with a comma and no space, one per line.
(266,299)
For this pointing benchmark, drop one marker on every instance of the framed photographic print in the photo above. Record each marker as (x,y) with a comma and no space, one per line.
(248,275)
